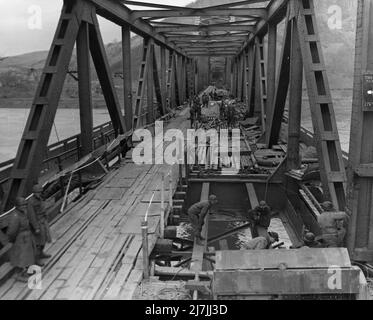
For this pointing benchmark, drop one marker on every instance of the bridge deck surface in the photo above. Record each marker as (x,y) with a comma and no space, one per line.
(96,252)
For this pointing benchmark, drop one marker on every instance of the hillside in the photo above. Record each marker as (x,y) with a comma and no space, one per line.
(19,74)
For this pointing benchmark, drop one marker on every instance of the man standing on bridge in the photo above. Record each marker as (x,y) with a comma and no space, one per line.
(197,214)
(332,225)
(39,221)
(23,252)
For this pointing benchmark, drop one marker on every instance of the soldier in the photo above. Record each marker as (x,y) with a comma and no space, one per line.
(310,241)
(332,228)
(39,222)
(263,243)
(260,219)
(197,214)
(23,252)
(197,108)
(231,115)
(205,100)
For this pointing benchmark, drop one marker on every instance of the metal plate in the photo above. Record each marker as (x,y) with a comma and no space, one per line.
(272,259)
(288,282)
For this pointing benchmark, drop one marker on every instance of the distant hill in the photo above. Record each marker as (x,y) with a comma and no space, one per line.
(19,74)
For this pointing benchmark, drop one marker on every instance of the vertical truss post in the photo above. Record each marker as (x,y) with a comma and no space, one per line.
(240,77)
(271,69)
(105,77)
(171,103)
(85,96)
(247,75)
(150,112)
(235,78)
(360,167)
(251,77)
(157,86)
(196,77)
(283,78)
(295,101)
(332,167)
(140,95)
(28,161)
(163,76)
(127,76)
(183,83)
(261,82)
(176,82)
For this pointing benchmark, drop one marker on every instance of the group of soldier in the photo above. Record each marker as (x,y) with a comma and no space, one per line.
(259,218)
(28,232)
(332,225)
(226,110)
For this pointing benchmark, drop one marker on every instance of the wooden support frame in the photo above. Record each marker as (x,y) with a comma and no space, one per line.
(295,101)
(271,68)
(260,82)
(171,103)
(140,95)
(157,86)
(250,78)
(127,76)
(360,167)
(28,162)
(331,161)
(105,77)
(150,114)
(85,93)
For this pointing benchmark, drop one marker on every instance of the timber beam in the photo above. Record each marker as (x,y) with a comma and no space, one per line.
(119,14)
(276,12)
(191,12)
(205,28)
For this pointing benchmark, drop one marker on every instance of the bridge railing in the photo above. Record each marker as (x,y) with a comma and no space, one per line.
(61,154)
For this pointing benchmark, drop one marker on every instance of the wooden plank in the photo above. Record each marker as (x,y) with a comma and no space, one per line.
(271,259)
(252,195)
(131,285)
(223,245)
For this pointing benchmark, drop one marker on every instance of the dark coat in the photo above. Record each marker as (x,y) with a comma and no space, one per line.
(261,216)
(200,209)
(39,221)
(22,254)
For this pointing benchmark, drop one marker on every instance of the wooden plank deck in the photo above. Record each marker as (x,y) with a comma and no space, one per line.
(96,252)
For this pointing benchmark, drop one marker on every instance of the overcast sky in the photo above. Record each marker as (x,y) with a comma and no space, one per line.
(16,36)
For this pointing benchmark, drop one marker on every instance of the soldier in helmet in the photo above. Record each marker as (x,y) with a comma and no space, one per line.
(260,219)
(309,240)
(39,221)
(197,214)
(263,243)
(23,252)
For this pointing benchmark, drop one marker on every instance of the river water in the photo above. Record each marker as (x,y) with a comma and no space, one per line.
(13,121)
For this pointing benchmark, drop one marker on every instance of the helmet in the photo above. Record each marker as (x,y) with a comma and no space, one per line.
(274,235)
(262,204)
(213,198)
(38,188)
(327,206)
(309,237)
(21,202)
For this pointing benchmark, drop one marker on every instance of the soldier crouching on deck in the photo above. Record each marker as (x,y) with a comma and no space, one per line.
(197,214)
(23,252)
(39,222)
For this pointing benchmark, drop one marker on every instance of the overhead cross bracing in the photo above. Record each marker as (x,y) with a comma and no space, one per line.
(216,30)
